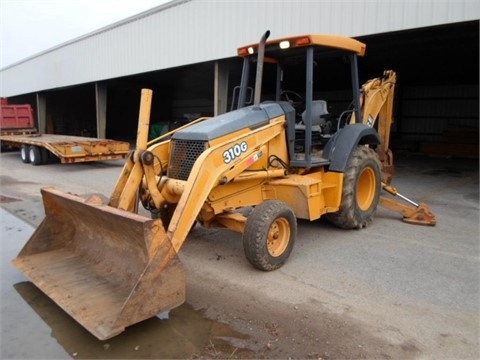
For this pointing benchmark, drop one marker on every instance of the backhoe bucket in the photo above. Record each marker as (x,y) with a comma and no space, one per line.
(106,267)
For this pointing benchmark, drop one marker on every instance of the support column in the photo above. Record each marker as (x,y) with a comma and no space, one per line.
(220,88)
(101,109)
(41,112)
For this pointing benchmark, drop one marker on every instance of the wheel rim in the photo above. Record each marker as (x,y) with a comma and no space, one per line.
(366,188)
(278,237)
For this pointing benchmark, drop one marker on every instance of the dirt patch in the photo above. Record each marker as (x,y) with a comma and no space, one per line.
(259,331)
(303,331)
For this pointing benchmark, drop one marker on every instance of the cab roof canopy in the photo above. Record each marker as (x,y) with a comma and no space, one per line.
(273,48)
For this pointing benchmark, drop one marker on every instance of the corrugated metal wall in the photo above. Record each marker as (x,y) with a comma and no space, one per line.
(431,114)
(191,31)
(428,111)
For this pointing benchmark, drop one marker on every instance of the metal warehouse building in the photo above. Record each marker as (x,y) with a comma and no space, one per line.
(185,50)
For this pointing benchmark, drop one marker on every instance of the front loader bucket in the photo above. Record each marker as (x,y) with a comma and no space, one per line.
(106,267)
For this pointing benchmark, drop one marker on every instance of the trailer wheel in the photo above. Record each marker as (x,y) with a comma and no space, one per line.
(361,190)
(24,153)
(44,153)
(269,235)
(35,155)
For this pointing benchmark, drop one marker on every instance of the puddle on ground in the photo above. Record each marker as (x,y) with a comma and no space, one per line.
(6,199)
(183,333)
(7,180)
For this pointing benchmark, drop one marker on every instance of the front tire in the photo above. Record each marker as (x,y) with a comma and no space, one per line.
(269,235)
(361,190)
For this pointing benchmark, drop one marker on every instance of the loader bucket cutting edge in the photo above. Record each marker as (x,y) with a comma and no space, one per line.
(107,268)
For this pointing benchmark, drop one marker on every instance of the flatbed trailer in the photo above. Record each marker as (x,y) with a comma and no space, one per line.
(37,148)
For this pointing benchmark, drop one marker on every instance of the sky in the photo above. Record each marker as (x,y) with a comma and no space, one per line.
(28,27)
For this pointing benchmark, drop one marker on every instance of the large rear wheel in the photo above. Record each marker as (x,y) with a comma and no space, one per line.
(361,190)
(269,235)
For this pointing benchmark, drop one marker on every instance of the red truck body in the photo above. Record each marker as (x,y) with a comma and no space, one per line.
(16,119)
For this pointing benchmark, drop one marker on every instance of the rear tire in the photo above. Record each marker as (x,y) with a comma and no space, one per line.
(35,155)
(269,235)
(24,153)
(361,190)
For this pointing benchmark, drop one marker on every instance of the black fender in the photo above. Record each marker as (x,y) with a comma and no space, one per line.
(341,145)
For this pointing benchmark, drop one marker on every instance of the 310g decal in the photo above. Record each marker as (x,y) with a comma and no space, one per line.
(235,151)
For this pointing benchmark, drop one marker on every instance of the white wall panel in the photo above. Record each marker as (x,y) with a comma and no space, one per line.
(190,31)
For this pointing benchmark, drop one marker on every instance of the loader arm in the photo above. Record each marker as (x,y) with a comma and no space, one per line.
(123,195)
(210,170)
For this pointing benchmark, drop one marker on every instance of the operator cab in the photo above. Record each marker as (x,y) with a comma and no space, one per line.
(311,74)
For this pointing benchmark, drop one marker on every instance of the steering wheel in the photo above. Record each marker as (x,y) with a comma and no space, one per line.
(294,98)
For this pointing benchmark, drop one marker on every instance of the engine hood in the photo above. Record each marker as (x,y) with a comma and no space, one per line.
(250,117)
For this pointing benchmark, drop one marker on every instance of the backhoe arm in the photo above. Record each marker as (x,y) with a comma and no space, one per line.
(377,111)
(412,213)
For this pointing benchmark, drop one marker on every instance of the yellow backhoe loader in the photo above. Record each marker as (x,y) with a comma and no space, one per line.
(253,170)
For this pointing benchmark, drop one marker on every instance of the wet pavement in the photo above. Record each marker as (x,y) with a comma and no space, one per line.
(34,327)
(391,291)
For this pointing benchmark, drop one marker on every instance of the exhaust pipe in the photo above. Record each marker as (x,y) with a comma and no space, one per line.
(259,75)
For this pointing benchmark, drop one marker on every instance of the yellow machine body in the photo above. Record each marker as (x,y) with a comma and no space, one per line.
(109,267)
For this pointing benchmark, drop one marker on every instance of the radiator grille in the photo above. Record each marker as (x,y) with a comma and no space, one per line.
(183,156)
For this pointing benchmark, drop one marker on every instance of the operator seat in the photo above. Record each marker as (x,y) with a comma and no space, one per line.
(319,112)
